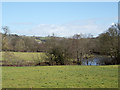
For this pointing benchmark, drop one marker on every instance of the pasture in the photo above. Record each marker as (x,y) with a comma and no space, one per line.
(73,76)
(28,56)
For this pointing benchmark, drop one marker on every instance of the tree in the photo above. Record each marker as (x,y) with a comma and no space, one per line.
(6,30)
(58,50)
(109,43)
(82,46)
(76,38)
(20,45)
(5,40)
(30,44)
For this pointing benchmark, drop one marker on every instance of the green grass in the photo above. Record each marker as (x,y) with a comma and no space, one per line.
(60,77)
(44,38)
(25,55)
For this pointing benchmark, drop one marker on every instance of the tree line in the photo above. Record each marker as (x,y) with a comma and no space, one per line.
(62,51)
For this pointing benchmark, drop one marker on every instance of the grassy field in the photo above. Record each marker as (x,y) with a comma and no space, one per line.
(60,77)
(29,56)
(25,55)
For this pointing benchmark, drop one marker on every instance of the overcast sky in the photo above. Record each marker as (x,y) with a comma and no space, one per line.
(61,18)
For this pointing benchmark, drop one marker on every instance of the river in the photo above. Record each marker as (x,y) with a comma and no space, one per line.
(97,60)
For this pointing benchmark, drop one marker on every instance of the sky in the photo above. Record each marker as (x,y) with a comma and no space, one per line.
(64,19)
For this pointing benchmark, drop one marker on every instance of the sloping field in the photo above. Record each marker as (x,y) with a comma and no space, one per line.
(60,77)
(24,55)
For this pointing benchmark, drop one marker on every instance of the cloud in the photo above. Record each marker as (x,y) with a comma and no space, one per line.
(66,30)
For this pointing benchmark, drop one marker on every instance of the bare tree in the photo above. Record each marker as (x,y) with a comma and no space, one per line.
(109,42)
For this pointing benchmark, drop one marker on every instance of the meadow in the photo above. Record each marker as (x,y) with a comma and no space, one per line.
(28,56)
(74,76)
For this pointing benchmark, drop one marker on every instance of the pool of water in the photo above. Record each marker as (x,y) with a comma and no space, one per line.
(98,60)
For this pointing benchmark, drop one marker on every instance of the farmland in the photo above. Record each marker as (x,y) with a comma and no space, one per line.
(29,56)
(59,45)
(73,76)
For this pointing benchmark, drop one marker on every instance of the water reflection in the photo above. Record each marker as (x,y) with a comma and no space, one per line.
(97,60)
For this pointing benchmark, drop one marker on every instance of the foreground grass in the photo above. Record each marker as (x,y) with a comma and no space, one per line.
(60,77)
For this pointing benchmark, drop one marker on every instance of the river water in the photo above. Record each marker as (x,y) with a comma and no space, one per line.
(97,60)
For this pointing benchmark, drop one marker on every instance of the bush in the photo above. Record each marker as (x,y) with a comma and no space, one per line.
(56,56)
